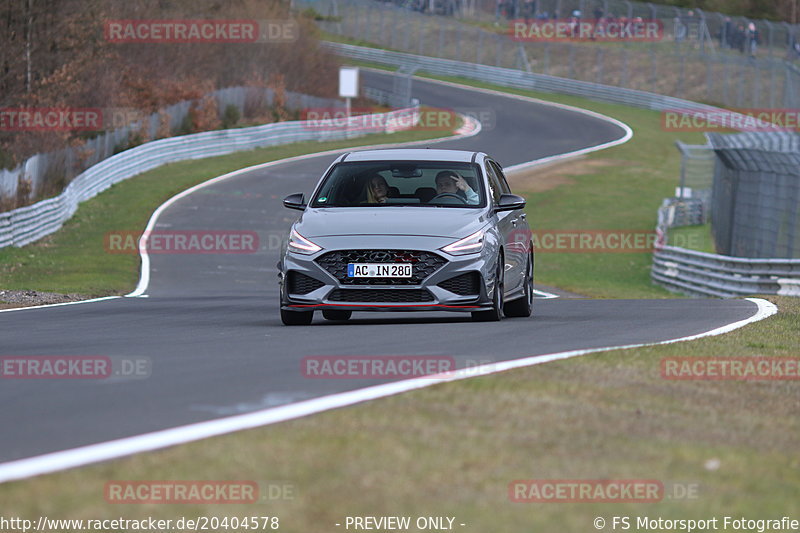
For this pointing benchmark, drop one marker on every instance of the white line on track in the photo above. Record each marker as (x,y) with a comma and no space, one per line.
(60,304)
(104,451)
(553,158)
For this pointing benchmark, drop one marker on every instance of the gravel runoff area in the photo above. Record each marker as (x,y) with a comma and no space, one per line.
(12,299)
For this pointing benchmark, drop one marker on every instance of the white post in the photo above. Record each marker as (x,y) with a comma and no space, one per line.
(348,88)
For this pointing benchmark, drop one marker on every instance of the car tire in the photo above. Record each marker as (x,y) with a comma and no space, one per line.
(293,318)
(523,307)
(336,314)
(496,312)
(296,318)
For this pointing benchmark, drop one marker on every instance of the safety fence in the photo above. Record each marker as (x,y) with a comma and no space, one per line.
(707,30)
(756,195)
(754,209)
(687,65)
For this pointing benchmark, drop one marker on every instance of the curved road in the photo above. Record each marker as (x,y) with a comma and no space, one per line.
(210,324)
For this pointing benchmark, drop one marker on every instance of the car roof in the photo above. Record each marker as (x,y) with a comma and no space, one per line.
(411,154)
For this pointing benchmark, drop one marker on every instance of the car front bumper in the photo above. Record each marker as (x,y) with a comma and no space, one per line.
(331,290)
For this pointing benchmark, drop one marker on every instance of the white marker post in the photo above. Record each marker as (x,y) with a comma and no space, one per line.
(348,87)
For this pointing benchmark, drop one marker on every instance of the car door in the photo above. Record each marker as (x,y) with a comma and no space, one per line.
(507,222)
(522,231)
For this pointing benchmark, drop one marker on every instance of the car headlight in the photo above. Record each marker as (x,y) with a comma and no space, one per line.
(299,244)
(468,245)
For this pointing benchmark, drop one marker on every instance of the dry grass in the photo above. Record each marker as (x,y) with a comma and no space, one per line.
(544,178)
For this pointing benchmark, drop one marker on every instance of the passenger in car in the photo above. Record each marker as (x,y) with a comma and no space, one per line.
(377,189)
(450,182)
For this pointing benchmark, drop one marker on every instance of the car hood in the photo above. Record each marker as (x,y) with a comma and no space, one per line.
(418,221)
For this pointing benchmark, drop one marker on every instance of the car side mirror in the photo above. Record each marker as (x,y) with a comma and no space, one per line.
(509,202)
(295,201)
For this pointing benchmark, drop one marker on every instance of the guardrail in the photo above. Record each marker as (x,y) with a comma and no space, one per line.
(44,171)
(27,224)
(520,79)
(704,274)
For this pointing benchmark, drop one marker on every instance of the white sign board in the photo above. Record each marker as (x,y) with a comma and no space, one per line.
(348,82)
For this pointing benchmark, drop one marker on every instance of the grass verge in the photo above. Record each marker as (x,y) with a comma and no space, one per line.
(698,238)
(719,447)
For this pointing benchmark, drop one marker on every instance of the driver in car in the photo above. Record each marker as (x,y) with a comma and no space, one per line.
(449,182)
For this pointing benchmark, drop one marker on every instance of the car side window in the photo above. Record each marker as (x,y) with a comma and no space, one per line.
(495,187)
(501,177)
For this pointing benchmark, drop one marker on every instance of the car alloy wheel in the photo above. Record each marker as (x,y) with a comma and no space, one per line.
(523,307)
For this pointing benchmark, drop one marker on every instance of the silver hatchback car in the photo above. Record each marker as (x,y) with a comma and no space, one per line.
(408,230)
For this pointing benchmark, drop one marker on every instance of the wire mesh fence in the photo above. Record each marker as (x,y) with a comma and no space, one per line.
(698,56)
(756,197)
(682,26)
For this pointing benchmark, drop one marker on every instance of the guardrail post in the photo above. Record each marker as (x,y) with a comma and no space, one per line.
(769,39)
(421,37)
(479,48)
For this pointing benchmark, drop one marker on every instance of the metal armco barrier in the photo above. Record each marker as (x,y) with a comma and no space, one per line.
(704,274)
(27,224)
(520,79)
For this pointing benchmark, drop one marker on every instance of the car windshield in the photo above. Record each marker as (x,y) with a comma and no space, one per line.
(402,183)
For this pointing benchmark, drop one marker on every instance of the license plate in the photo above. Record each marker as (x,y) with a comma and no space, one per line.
(379,270)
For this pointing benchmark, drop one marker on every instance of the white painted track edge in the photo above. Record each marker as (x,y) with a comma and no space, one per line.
(95,453)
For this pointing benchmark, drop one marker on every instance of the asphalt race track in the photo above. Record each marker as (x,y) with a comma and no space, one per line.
(210,324)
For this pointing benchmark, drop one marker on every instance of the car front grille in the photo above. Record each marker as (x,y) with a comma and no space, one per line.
(299,283)
(423,265)
(463,285)
(381,295)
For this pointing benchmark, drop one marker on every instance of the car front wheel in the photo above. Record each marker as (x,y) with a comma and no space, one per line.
(295,318)
(522,307)
(496,312)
